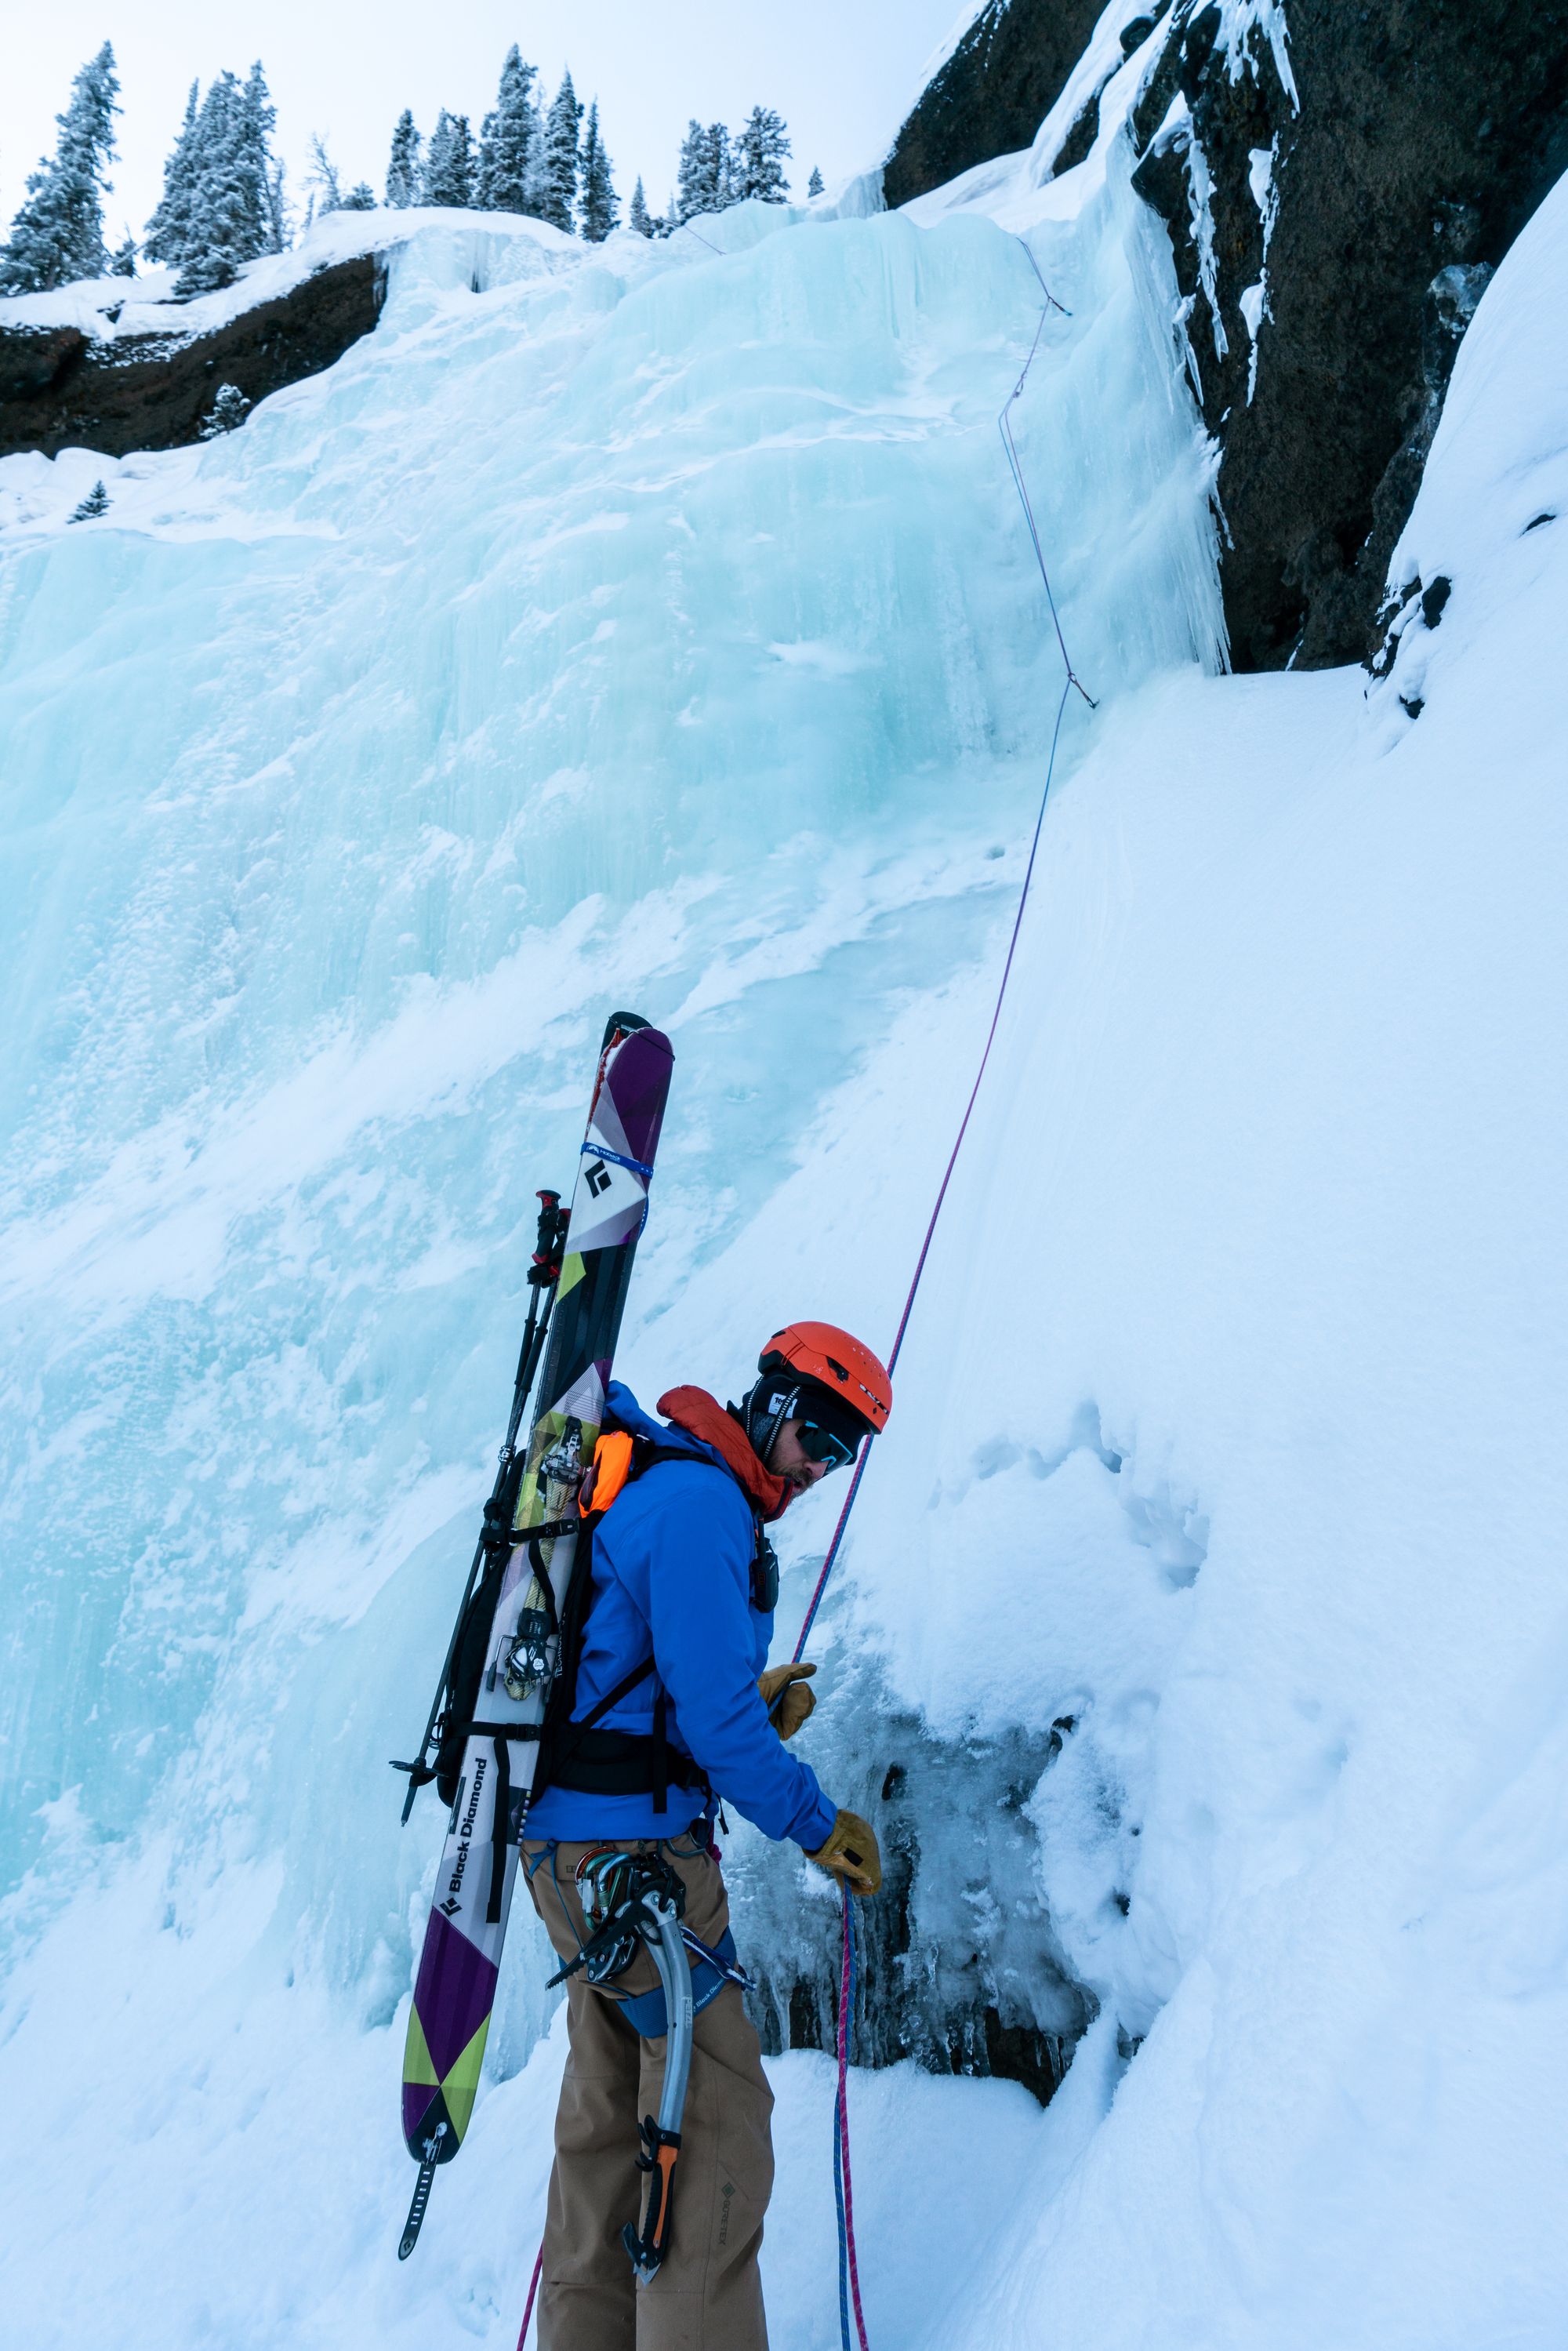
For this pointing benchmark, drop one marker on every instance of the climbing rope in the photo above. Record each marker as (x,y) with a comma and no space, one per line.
(849,2264)
(533,2289)
(843,2196)
(849,2268)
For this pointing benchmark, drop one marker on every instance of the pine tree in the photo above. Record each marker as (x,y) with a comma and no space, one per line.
(706,177)
(361,198)
(637,217)
(599,208)
(227,412)
(556,196)
(759,152)
(57,235)
(256,169)
(534,187)
(95,503)
(168,231)
(449,162)
(506,148)
(693,193)
(278,208)
(724,162)
(403,168)
(814,184)
(235,205)
(122,260)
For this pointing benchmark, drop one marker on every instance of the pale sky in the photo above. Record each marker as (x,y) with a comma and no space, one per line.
(842,72)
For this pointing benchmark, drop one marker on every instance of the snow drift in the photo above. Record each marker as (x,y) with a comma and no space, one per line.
(659,626)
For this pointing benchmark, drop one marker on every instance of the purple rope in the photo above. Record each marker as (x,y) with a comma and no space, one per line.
(849,2266)
(533,2289)
(832,1551)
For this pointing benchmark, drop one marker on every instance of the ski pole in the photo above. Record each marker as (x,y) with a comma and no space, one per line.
(543,1274)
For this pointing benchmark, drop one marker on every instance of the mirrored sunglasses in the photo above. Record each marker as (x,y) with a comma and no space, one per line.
(819,1443)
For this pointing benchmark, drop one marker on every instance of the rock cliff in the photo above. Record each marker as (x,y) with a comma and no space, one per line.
(1339,181)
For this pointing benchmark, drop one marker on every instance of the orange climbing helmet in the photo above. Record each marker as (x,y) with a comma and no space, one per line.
(836,1365)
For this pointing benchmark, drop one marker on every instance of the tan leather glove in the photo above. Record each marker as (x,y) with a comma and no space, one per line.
(850,1853)
(787,1701)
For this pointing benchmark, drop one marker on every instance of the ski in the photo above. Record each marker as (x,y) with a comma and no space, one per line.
(533,1549)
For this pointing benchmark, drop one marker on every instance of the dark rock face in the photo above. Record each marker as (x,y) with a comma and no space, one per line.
(993,93)
(1425,137)
(1427,132)
(59,388)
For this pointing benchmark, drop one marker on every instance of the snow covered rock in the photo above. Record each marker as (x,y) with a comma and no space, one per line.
(156,390)
(118,366)
(1322,170)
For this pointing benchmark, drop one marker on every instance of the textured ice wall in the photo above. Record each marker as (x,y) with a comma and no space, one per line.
(629,629)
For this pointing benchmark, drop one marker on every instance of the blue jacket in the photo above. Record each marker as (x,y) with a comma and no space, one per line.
(672,1576)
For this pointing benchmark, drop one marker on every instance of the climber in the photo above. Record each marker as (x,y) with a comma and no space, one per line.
(679,1615)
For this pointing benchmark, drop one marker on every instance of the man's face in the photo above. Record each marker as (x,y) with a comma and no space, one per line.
(787,1461)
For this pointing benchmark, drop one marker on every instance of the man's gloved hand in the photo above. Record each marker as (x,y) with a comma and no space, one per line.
(789,1711)
(850,1853)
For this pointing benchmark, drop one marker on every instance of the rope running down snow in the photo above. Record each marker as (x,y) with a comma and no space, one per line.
(533,2289)
(848,2267)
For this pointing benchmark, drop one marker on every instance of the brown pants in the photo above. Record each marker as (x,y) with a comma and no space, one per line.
(707,2295)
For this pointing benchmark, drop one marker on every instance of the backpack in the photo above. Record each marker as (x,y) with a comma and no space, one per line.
(581,1755)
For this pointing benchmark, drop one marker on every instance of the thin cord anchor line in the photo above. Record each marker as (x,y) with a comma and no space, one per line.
(849,2264)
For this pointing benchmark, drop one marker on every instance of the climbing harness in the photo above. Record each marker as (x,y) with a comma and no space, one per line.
(850,2304)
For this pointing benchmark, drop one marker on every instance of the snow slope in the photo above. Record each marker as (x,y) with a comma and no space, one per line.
(657,626)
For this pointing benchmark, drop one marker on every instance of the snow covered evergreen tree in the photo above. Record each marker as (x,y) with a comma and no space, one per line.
(555,199)
(599,208)
(227,413)
(814,184)
(637,215)
(260,174)
(58,234)
(510,136)
(278,208)
(95,503)
(759,152)
(403,165)
(122,260)
(361,198)
(725,165)
(169,230)
(706,175)
(234,209)
(692,187)
(449,164)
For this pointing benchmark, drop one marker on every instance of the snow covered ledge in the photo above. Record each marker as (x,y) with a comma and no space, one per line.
(116,364)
